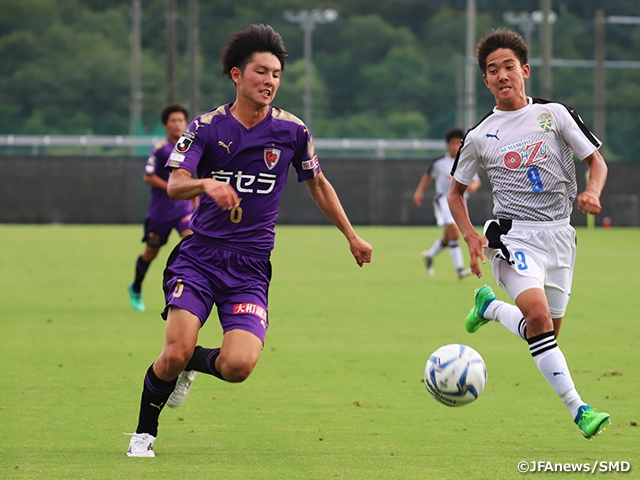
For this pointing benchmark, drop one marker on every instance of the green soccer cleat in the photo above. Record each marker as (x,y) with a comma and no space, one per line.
(483,297)
(136,300)
(590,422)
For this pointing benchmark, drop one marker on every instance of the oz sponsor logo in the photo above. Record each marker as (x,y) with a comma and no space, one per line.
(512,160)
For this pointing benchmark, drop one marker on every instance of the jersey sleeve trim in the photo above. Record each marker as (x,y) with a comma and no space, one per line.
(455,162)
(175,161)
(576,118)
(280,114)
(159,145)
(432,164)
(207,118)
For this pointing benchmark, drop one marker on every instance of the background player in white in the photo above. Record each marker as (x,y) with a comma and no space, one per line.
(526,147)
(440,172)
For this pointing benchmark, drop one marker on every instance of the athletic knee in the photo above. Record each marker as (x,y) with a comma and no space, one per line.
(236,371)
(539,320)
(174,359)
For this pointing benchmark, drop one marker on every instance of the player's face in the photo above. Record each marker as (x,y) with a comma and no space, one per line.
(505,78)
(176,124)
(453,146)
(258,82)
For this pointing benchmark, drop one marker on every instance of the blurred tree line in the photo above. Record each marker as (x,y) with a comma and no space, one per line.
(383,69)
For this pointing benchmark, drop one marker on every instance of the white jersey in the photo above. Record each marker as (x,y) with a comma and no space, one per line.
(528,157)
(440,172)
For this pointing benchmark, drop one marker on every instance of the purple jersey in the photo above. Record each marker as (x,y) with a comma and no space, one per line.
(160,205)
(254,162)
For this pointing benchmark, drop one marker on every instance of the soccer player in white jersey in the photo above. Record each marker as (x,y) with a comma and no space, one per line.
(440,173)
(526,146)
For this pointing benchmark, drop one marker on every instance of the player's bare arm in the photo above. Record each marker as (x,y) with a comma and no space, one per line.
(424,183)
(182,186)
(155,181)
(325,197)
(589,200)
(476,242)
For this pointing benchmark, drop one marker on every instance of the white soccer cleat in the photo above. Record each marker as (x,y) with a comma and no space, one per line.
(428,263)
(463,272)
(141,445)
(183,385)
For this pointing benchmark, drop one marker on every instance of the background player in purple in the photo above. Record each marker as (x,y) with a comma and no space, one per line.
(163,214)
(241,153)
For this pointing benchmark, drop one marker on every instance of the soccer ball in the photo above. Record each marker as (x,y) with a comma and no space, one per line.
(455,375)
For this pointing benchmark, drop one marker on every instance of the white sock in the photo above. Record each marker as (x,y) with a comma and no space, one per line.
(436,248)
(553,366)
(509,316)
(456,255)
(572,401)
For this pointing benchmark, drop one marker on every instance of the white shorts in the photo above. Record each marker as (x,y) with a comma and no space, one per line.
(528,255)
(441,210)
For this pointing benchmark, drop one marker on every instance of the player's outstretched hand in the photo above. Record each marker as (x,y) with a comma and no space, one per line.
(361,251)
(222,194)
(476,243)
(589,203)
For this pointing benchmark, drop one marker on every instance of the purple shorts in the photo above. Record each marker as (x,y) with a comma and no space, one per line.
(157,230)
(199,275)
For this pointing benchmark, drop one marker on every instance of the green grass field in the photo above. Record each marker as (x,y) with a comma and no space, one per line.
(338,391)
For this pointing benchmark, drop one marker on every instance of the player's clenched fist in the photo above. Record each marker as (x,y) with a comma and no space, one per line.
(221,193)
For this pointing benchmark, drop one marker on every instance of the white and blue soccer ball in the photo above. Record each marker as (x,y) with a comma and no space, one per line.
(455,375)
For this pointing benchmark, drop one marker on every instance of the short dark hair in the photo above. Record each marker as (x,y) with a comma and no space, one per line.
(172,108)
(501,38)
(256,38)
(453,133)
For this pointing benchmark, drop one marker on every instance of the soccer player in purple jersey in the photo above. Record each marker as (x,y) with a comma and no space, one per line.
(163,213)
(241,153)
(526,145)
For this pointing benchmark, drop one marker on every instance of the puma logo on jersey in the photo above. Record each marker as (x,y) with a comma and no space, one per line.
(198,125)
(225,146)
(493,135)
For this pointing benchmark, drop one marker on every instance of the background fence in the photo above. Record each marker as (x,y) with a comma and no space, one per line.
(100,190)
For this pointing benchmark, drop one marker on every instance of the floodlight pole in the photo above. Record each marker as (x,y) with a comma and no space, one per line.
(307,19)
(307,27)
(546,34)
(172,50)
(599,83)
(470,68)
(526,22)
(194,58)
(135,83)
